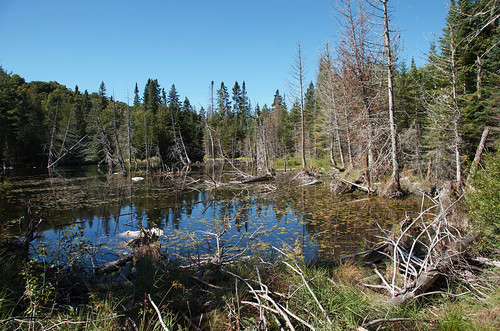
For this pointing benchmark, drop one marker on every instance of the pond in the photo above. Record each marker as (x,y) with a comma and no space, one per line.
(84,211)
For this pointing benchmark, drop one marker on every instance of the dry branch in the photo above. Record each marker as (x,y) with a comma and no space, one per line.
(422,252)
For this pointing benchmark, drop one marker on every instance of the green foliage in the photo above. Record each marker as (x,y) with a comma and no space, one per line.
(5,186)
(38,291)
(45,123)
(483,199)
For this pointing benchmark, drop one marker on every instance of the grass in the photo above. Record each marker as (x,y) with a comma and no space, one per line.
(5,186)
(469,314)
(326,298)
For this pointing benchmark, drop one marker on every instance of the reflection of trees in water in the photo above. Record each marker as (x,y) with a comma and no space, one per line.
(334,223)
(338,225)
(241,214)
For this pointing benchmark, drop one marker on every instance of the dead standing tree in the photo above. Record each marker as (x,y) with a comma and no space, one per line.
(118,150)
(358,59)
(297,88)
(394,188)
(328,96)
(63,139)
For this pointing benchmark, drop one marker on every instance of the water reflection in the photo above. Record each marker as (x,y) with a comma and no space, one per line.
(86,207)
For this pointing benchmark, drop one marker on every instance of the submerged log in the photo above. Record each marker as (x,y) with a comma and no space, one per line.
(266,177)
(116,264)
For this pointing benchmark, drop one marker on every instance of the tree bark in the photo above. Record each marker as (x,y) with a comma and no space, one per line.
(392,123)
(479,152)
(302,121)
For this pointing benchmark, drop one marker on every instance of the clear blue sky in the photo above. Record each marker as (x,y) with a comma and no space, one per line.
(188,43)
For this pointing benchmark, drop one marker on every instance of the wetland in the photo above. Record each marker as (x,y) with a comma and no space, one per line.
(90,209)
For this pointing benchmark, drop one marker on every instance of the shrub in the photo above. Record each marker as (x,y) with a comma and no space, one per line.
(483,199)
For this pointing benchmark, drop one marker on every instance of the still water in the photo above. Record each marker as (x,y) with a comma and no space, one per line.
(84,211)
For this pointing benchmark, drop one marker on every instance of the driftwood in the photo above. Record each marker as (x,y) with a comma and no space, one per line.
(264,178)
(487,262)
(314,182)
(427,278)
(351,187)
(423,251)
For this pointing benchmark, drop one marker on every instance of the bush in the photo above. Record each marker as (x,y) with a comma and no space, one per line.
(483,199)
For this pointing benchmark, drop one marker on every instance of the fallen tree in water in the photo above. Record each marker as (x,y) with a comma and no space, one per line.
(424,249)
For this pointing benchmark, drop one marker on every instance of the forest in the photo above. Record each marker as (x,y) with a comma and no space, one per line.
(369,120)
(366,108)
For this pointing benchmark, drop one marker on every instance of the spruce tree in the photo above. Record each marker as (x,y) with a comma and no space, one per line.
(137,98)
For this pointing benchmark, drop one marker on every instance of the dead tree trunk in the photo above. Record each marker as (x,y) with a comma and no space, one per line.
(456,111)
(118,149)
(129,140)
(479,152)
(146,145)
(52,137)
(395,186)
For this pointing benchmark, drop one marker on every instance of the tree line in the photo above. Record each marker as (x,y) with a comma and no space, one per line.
(365,108)
(368,110)
(47,123)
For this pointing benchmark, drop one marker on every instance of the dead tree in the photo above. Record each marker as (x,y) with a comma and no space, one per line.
(297,89)
(54,158)
(422,251)
(118,149)
(129,140)
(479,152)
(357,57)
(394,186)
(328,97)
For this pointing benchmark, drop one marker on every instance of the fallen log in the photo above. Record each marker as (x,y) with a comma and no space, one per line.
(428,277)
(266,177)
(349,189)
(314,182)
(487,262)
(116,264)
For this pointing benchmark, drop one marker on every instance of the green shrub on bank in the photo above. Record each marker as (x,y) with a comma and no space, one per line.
(483,199)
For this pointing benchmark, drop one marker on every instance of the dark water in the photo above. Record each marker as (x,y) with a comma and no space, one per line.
(83,211)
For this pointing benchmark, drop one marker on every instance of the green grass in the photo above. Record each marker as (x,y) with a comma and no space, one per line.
(347,303)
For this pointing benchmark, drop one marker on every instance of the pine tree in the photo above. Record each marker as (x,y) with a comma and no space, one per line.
(137,98)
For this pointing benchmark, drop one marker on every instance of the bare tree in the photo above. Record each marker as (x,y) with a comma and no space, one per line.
(297,89)
(395,186)
(129,141)
(118,150)
(328,93)
(358,57)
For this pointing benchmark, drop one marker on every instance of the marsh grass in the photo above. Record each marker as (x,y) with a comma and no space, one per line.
(215,297)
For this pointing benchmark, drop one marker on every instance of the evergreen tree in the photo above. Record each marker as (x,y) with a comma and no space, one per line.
(223,103)
(311,116)
(137,98)
(102,95)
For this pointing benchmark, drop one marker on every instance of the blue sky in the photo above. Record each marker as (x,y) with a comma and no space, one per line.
(188,43)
